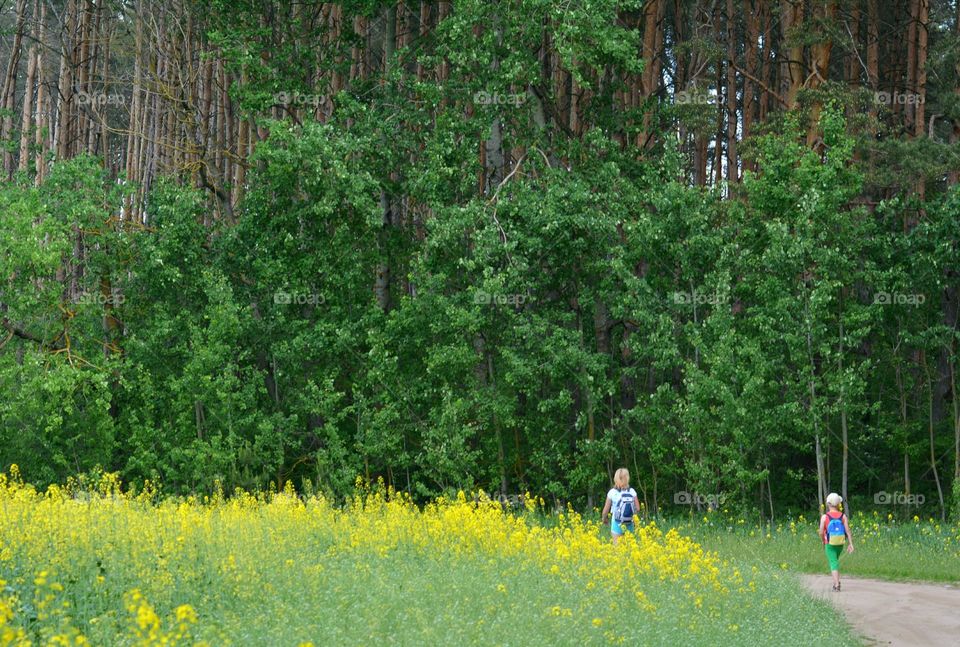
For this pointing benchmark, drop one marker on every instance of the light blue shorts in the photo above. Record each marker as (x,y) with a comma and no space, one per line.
(618,528)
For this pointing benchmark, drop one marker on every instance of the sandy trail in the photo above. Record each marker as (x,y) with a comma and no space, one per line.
(895,613)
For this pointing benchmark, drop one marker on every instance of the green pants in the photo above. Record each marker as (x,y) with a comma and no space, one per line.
(833,555)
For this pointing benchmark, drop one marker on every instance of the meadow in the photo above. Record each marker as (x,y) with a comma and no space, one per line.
(886,547)
(105,566)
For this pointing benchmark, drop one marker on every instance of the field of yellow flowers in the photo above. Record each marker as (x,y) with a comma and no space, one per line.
(101,566)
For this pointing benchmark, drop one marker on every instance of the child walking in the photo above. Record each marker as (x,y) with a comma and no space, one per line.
(835,532)
(622,502)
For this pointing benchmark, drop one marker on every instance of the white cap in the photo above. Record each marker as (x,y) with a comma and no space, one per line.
(834,499)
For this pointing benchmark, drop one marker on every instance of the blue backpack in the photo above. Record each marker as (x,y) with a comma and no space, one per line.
(625,507)
(836,533)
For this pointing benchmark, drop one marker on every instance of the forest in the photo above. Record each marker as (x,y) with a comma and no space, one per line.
(500,244)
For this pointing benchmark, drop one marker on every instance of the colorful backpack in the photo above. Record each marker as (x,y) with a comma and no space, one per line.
(836,533)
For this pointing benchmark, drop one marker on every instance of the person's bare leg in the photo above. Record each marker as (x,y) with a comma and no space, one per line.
(615,538)
(836,579)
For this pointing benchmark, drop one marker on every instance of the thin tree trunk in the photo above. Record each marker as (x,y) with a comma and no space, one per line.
(873,45)
(733,173)
(853,62)
(821,476)
(104,144)
(387,203)
(64,109)
(766,70)
(9,96)
(956,419)
(41,138)
(588,401)
(720,137)
(751,58)
(923,14)
(902,394)
(909,110)
(82,65)
(243,142)
(953,176)
(498,432)
(28,92)
(844,438)
(933,447)
(906,477)
(770,493)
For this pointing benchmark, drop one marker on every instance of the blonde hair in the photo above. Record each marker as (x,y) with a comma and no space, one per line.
(834,499)
(621,478)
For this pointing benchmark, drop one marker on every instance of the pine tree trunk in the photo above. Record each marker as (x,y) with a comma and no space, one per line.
(766,71)
(791,18)
(9,97)
(733,173)
(953,176)
(63,112)
(653,13)
(819,63)
(81,64)
(923,14)
(751,57)
(720,138)
(23,158)
(41,138)
(104,140)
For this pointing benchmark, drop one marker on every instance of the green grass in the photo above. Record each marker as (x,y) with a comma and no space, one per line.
(921,550)
(407,598)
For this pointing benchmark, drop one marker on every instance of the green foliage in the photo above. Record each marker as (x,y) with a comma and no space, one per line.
(375,310)
(55,416)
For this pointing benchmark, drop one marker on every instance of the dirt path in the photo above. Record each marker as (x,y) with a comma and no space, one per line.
(895,613)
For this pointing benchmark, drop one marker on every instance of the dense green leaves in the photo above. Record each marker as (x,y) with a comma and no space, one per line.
(385,301)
